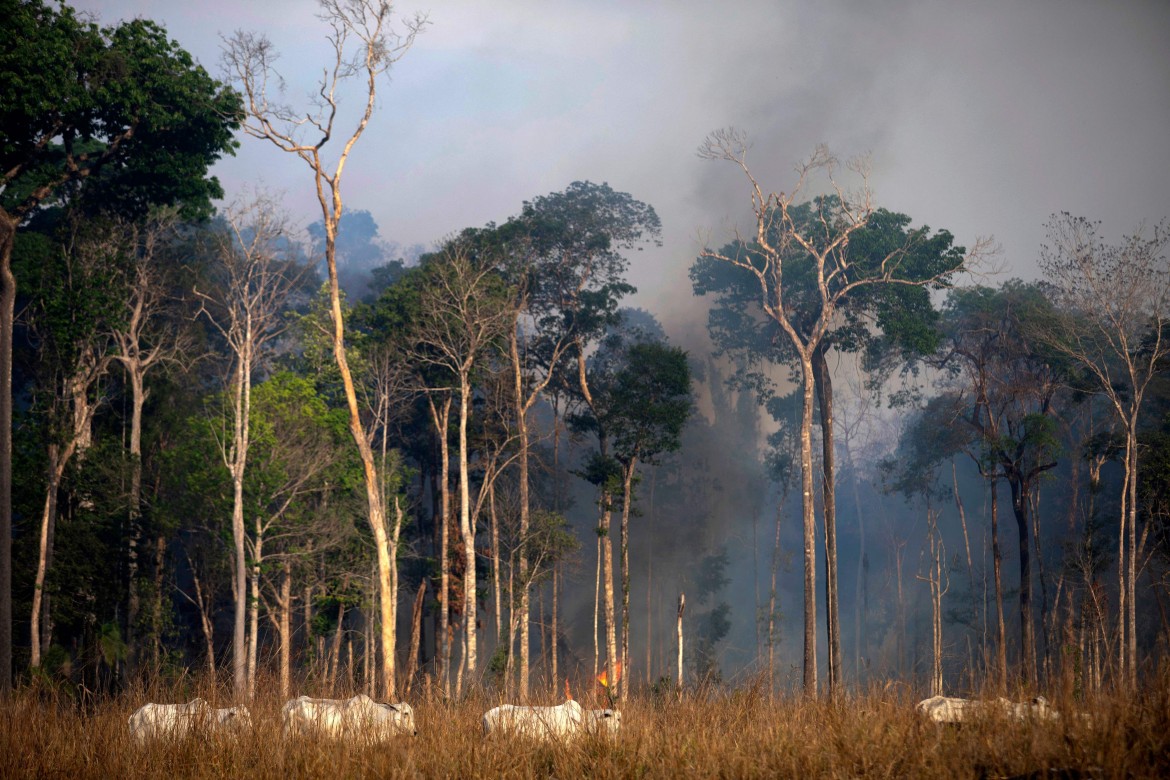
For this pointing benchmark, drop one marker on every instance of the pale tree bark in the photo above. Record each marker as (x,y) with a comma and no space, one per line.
(776,236)
(249,60)
(441,417)
(1116,303)
(461,313)
(255,282)
(939,583)
(526,396)
(146,338)
(79,409)
(628,496)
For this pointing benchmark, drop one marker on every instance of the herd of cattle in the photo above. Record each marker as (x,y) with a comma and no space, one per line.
(362,718)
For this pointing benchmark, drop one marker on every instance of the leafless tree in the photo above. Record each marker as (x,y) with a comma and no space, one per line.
(777,235)
(249,60)
(462,312)
(254,281)
(1114,301)
(148,336)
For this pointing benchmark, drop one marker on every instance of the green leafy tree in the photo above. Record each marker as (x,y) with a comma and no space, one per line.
(1002,384)
(123,112)
(641,401)
(798,288)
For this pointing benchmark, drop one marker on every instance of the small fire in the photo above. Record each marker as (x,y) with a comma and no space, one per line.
(603,678)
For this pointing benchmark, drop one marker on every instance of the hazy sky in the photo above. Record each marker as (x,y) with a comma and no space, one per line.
(982,118)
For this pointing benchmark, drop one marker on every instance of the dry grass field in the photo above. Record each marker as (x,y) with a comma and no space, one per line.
(720,734)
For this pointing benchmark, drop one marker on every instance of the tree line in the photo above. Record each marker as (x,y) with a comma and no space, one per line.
(197,423)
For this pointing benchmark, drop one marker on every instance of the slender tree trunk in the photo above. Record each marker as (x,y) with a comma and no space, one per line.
(522,407)
(860,605)
(495,530)
(254,611)
(441,417)
(553,639)
(335,653)
(627,499)
(829,495)
(809,520)
(597,610)
(134,532)
(611,645)
(160,550)
(1027,639)
(772,596)
(374,498)
(44,555)
(682,605)
(284,603)
(997,565)
(469,586)
(7,311)
(416,617)
(1130,616)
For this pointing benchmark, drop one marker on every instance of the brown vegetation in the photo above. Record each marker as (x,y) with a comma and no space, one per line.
(718,734)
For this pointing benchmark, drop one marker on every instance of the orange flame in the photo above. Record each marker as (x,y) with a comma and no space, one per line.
(603,678)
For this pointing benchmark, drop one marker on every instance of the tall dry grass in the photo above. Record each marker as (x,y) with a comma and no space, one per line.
(741,733)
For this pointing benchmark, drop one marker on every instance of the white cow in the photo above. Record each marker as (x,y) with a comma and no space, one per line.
(946,709)
(602,722)
(360,717)
(177,721)
(559,722)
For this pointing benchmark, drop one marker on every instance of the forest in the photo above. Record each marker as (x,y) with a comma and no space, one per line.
(296,461)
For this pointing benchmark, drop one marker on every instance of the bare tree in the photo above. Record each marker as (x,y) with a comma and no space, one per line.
(250,60)
(462,312)
(254,282)
(1114,303)
(778,236)
(146,337)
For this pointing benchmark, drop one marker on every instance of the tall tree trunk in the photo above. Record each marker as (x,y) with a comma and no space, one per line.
(1130,616)
(442,417)
(627,500)
(44,556)
(156,617)
(997,564)
(495,531)
(829,495)
(134,531)
(772,595)
(860,593)
(1027,640)
(522,407)
(468,531)
(7,311)
(682,605)
(284,604)
(236,461)
(809,521)
(416,617)
(553,640)
(374,499)
(597,608)
(254,610)
(611,645)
